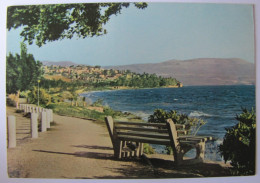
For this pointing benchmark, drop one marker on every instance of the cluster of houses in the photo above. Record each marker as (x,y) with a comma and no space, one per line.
(83,72)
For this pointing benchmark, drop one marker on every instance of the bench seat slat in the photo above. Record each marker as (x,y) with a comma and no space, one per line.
(182,132)
(160,125)
(141,129)
(144,140)
(205,138)
(143,134)
(188,142)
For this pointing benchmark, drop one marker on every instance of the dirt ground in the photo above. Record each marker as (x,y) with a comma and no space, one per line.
(75,148)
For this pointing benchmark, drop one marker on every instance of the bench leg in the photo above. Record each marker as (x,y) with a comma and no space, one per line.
(141,149)
(123,153)
(178,154)
(178,158)
(118,149)
(138,150)
(127,153)
(200,150)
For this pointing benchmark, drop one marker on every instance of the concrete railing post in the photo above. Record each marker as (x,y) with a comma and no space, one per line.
(25,109)
(48,113)
(51,111)
(43,121)
(11,125)
(34,125)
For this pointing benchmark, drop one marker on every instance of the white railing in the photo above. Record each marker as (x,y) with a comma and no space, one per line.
(38,115)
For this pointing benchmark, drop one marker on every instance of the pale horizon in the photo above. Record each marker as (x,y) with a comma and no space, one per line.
(67,61)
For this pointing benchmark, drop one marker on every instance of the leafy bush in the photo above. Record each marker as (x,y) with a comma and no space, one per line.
(148,149)
(24,94)
(192,124)
(239,144)
(110,112)
(98,103)
(44,97)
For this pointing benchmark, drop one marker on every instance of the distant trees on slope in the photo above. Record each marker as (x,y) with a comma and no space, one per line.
(144,80)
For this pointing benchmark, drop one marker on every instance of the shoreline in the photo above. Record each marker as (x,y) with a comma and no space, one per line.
(133,88)
(126,88)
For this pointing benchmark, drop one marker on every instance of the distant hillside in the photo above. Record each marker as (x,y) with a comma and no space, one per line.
(61,63)
(206,71)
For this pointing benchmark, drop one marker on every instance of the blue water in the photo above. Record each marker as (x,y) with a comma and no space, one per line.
(218,105)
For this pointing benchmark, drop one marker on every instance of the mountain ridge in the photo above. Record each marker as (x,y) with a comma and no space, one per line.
(59,63)
(200,71)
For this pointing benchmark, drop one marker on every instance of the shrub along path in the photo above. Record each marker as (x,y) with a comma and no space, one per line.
(77,148)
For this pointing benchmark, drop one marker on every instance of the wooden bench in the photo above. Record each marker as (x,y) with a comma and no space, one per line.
(128,138)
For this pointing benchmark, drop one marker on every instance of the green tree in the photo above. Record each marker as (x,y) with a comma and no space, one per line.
(12,73)
(45,23)
(22,71)
(239,144)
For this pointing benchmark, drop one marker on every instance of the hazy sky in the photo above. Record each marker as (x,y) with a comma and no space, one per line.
(162,31)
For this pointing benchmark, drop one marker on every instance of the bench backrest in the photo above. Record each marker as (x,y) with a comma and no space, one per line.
(153,133)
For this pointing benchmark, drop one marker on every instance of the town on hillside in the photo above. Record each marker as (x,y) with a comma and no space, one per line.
(82,72)
(112,77)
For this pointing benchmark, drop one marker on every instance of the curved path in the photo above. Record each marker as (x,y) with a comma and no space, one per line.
(77,149)
(73,148)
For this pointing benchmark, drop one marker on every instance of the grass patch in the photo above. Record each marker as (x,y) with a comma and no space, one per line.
(65,109)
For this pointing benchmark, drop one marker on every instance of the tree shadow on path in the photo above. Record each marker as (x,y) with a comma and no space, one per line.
(157,168)
(94,147)
(82,154)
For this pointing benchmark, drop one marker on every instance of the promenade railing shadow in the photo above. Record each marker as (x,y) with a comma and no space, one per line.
(82,154)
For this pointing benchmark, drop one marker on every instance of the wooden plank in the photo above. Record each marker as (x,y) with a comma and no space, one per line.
(188,142)
(182,132)
(161,125)
(179,126)
(145,134)
(174,142)
(195,137)
(191,140)
(144,140)
(141,129)
(110,127)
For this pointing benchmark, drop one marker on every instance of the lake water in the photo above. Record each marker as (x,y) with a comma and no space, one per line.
(218,105)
